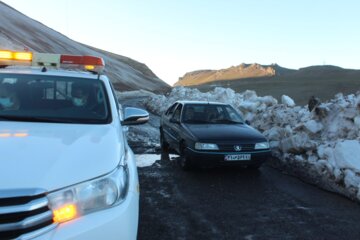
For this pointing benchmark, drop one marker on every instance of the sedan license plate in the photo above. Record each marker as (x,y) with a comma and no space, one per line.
(238,157)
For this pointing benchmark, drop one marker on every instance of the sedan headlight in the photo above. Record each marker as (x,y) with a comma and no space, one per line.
(262,145)
(206,146)
(90,196)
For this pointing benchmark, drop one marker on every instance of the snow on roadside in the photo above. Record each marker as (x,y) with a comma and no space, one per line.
(146,160)
(287,101)
(247,101)
(325,141)
(173,157)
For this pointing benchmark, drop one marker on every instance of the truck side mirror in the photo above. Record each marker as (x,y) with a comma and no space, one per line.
(135,116)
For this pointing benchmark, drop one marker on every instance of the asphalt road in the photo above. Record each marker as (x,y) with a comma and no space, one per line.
(235,203)
(239,204)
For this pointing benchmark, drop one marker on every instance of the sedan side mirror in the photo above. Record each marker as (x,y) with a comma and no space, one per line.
(135,116)
(247,122)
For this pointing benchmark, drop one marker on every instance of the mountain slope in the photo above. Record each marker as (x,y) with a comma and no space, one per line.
(18,31)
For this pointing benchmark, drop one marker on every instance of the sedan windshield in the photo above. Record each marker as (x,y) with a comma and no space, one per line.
(210,113)
(33,98)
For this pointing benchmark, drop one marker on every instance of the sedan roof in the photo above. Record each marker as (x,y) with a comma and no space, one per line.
(200,102)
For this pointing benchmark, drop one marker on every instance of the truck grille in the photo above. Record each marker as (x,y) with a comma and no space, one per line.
(24,214)
(231,147)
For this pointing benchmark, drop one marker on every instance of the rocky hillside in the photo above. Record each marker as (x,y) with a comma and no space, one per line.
(241,71)
(19,32)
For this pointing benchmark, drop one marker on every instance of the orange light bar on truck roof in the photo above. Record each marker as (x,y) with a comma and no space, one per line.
(6,55)
(9,55)
(26,56)
(46,60)
(89,63)
(81,60)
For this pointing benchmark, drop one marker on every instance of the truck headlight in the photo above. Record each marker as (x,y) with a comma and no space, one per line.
(206,146)
(262,145)
(90,196)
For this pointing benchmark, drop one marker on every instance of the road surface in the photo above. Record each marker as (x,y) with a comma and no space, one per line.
(239,204)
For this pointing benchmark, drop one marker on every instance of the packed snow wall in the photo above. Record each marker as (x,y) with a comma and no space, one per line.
(321,145)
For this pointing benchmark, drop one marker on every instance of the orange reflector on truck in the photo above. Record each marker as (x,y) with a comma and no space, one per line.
(89,67)
(65,213)
(5,135)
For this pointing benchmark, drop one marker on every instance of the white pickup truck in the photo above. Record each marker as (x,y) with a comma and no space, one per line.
(66,170)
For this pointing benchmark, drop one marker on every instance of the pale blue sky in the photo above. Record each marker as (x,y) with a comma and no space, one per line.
(174,37)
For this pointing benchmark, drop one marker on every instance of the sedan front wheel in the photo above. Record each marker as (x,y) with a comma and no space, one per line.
(163,144)
(164,147)
(184,160)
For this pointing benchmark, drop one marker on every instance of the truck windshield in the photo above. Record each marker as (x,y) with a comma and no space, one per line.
(36,98)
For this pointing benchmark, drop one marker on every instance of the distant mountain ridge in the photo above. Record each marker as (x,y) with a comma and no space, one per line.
(255,70)
(18,31)
(234,72)
(322,81)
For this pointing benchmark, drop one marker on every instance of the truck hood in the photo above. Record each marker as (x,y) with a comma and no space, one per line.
(225,132)
(52,156)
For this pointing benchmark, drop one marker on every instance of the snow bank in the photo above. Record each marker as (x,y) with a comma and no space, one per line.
(247,101)
(347,154)
(146,160)
(288,101)
(324,141)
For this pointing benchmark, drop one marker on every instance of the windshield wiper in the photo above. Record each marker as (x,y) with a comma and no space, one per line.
(227,121)
(197,122)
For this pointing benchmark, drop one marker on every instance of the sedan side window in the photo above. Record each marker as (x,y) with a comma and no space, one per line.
(171,109)
(177,113)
